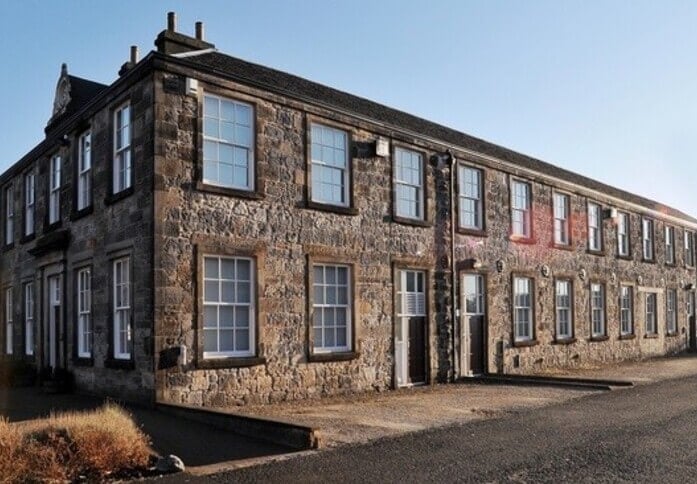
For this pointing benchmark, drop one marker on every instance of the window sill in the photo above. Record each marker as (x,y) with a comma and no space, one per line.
(50,227)
(564,341)
(27,238)
(522,240)
(115,197)
(327,357)
(670,264)
(229,362)
(331,208)
(410,221)
(651,336)
(568,247)
(672,334)
(525,344)
(597,339)
(83,361)
(117,364)
(627,336)
(624,257)
(472,232)
(600,253)
(690,268)
(228,192)
(648,261)
(78,214)
(8,247)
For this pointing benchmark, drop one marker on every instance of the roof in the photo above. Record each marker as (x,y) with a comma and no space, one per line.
(289,84)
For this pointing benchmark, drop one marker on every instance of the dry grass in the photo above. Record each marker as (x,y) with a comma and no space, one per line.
(70,446)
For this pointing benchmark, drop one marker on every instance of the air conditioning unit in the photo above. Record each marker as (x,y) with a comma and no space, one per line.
(191,86)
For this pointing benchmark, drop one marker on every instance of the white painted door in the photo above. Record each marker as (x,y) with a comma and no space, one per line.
(54,315)
(473,327)
(410,328)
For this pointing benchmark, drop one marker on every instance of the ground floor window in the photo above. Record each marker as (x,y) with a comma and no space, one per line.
(84,313)
(626,310)
(523,316)
(9,334)
(597,309)
(671,314)
(651,326)
(563,300)
(29,318)
(331,308)
(122,308)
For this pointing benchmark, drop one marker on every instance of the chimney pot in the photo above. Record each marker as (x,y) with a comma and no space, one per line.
(171,21)
(199,30)
(134,54)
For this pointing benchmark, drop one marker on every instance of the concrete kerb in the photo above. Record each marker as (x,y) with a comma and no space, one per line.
(278,432)
(546,381)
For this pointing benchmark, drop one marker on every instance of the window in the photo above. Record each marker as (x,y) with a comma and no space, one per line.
(689,248)
(228,143)
(29,203)
(409,184)
(330,176)
(626,310)
(54,196)
(29,318)
(647,238)
(84,313)
(523,317)
(597,310)
(122,149)
(561,219)
(9,215)
(623,234)
(670,245)
(470,193)
(331,308)
(595,232)
(84,167)
(564,299)
(520,212)
(671,311)
(9,334)
(122,309)
(228,307)
(651,313)
(690,305)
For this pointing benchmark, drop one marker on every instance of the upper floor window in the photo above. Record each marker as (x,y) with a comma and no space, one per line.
(623,234)
(122,308)
(561,219)
(54,195)
(689,248)
(29,203)
(84,168)
(523,314)
(670,245)
(671,311)
(331,308)
(651,326)
(471,197)
(563,302)
(597,309)
(122,149)
(330,169)
(228,143)
(9,215)
(626,310)
(521,216)
(595,233)
(647,238)
(409,184)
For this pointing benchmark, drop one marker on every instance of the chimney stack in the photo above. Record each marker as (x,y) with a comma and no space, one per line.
(199,31)
(134,54)
(171,21)
(170,42)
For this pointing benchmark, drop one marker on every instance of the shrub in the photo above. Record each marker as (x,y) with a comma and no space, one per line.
(69,446)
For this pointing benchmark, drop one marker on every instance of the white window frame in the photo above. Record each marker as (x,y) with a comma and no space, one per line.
(233,144)
(54,187)
(122,165)
(9,214)
(669,233)
(521,306)
(319,347)
(521,208)
(218,303)
(321,166)
(564,307)
(84,313)
(671,311)
(470,187)
(651,313)
(121,307)
(689,248)
(597,304)
(84,169)
(9,317)
(647,239)
(29,203)
(623,234)
(561,203)
(626,310)
(405,183)
(29,318)
(595,227)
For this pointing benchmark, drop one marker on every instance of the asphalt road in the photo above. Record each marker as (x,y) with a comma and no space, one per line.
(642,434)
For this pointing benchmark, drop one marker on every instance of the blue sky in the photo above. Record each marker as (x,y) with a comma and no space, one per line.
(606,89)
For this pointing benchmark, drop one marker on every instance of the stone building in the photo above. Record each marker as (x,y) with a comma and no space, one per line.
(209,231)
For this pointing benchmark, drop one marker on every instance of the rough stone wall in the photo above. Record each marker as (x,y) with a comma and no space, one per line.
(123,227)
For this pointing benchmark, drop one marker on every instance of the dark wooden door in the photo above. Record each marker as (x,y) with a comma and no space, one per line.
(417,349)
(476,340)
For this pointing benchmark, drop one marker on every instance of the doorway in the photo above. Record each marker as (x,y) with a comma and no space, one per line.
(473,325)
(410,328)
